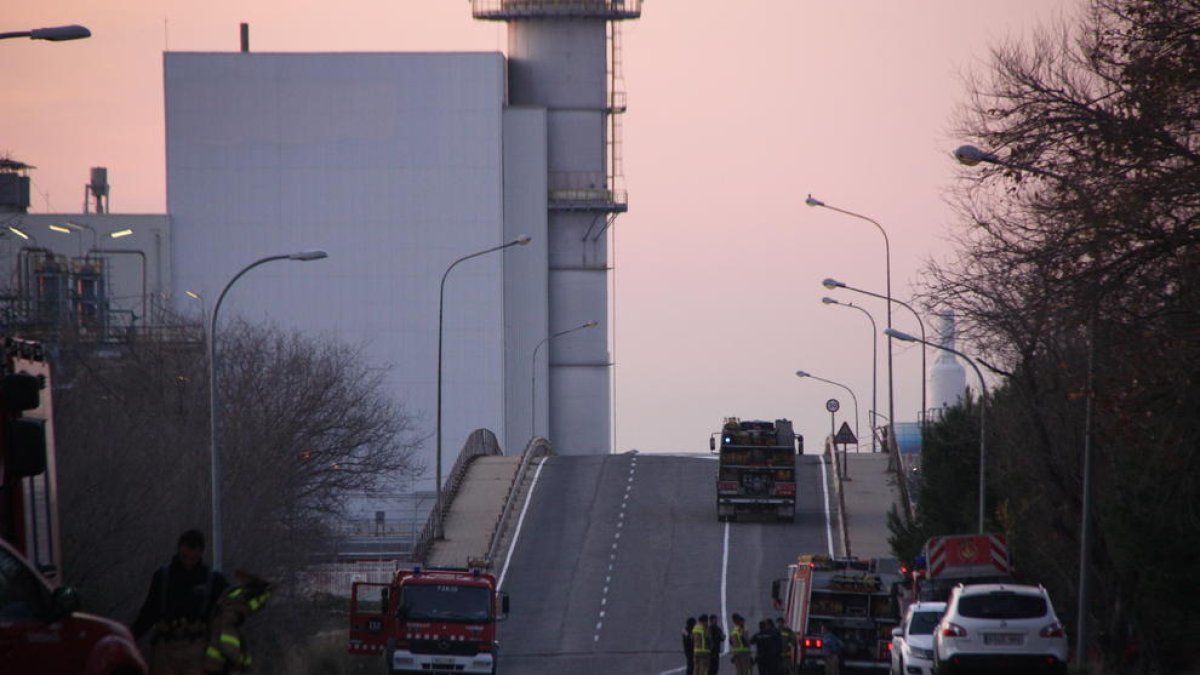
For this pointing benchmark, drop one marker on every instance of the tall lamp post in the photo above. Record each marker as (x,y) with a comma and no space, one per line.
(887,250)
(214,409)
(533,371)
(905,337)
(437,506)
(969,155)
(51,34)
(874,362)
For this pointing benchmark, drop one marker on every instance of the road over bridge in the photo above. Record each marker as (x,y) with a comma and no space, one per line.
(615,551)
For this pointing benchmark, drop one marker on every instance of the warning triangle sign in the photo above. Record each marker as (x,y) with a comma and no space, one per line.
(844,435)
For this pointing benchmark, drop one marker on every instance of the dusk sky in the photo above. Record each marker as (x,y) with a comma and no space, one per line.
(737,111)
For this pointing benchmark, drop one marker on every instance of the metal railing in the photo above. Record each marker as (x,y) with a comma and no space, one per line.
(538,447)
(481,443)
(505,10)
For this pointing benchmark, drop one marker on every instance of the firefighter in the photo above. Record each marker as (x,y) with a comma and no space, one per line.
(716,638)
(227,652)
(700,646)
(789,648)
(176,610)
(740,648)
(687,645)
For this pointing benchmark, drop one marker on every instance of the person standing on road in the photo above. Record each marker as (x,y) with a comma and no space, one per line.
(700,648)
(738,644)
(687,645)
(716,638)
(178,607)
(788,655)
(765,654)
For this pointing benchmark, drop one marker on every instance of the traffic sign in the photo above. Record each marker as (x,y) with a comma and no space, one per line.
(844,435)
(832,405)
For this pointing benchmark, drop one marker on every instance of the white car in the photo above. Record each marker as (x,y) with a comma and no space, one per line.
(1000,626)
(912,642)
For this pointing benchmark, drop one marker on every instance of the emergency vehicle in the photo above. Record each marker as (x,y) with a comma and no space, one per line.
(855,598)
(430,620)
(41,629)
(756,469)
(960,559)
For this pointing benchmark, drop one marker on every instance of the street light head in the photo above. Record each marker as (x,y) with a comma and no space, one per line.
(812,201)
(969,155)
(17,231)
(308,255)
(120,233)
(59,228)
(830,301)
(899,335)
(591,324)
(193,295)
(522,240)
(801,373)
(60,33)
(833,283)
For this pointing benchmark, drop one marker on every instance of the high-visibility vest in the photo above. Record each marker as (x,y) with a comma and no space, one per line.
(737,640)
(700,640)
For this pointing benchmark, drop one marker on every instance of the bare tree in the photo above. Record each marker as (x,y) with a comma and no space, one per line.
(305,421)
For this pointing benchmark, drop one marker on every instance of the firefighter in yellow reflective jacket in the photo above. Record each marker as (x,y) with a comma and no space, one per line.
(701,650)
(227,651)
(742,661)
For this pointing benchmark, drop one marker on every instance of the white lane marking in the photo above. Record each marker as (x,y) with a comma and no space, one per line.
(725,587)
(613,555)
(828,525)
(520,521)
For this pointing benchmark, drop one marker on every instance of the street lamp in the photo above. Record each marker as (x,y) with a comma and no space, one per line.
(982,409)
(533,369)
(834,283)
(214,411)
(51,34)
(845,462)
(519,241)
(874,361)
(887,250)
(969,155)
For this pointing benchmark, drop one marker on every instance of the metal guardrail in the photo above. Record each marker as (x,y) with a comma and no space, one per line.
(538,447)
(843,526)
(481,443)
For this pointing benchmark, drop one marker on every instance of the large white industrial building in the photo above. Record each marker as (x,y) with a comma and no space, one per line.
(397,164)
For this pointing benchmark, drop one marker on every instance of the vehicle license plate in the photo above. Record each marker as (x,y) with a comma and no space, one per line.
(1003,639)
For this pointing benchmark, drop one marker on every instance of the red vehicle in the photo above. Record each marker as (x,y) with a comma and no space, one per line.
(855,598)
(435,620)
(40,629)
(960,559)
(756,471)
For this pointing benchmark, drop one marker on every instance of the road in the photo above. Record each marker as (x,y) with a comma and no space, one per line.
(616,551)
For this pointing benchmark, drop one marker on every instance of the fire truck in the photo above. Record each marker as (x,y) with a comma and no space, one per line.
(435,620)
(756,469)
(960,558)
(856,599)
(41,629)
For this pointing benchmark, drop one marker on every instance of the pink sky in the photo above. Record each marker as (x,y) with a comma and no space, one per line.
(737,111)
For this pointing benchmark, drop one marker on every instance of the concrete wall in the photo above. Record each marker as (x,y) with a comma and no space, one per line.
(395,165)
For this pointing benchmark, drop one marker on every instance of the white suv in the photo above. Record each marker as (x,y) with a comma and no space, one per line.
(999,625)
(912,643)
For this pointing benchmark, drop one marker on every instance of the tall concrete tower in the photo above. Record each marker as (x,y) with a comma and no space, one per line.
(949,378)
(564,57)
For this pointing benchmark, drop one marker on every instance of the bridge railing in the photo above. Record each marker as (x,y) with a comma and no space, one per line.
(481,443)
(538,448)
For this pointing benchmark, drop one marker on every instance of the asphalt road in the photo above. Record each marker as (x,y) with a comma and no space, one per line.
(616,551)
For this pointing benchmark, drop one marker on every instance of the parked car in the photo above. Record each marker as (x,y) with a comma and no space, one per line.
(41,630)
(912,642)
(1007,626)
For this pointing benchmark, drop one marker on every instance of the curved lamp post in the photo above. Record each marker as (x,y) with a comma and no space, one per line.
(214,409)
(887,250)
(51,34)
(905,337)
(845,461)
(969,155)
(834,283)
(519,241)
(533,371)
(874,361)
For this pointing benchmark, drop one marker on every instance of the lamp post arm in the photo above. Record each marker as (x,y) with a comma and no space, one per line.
(849,391)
